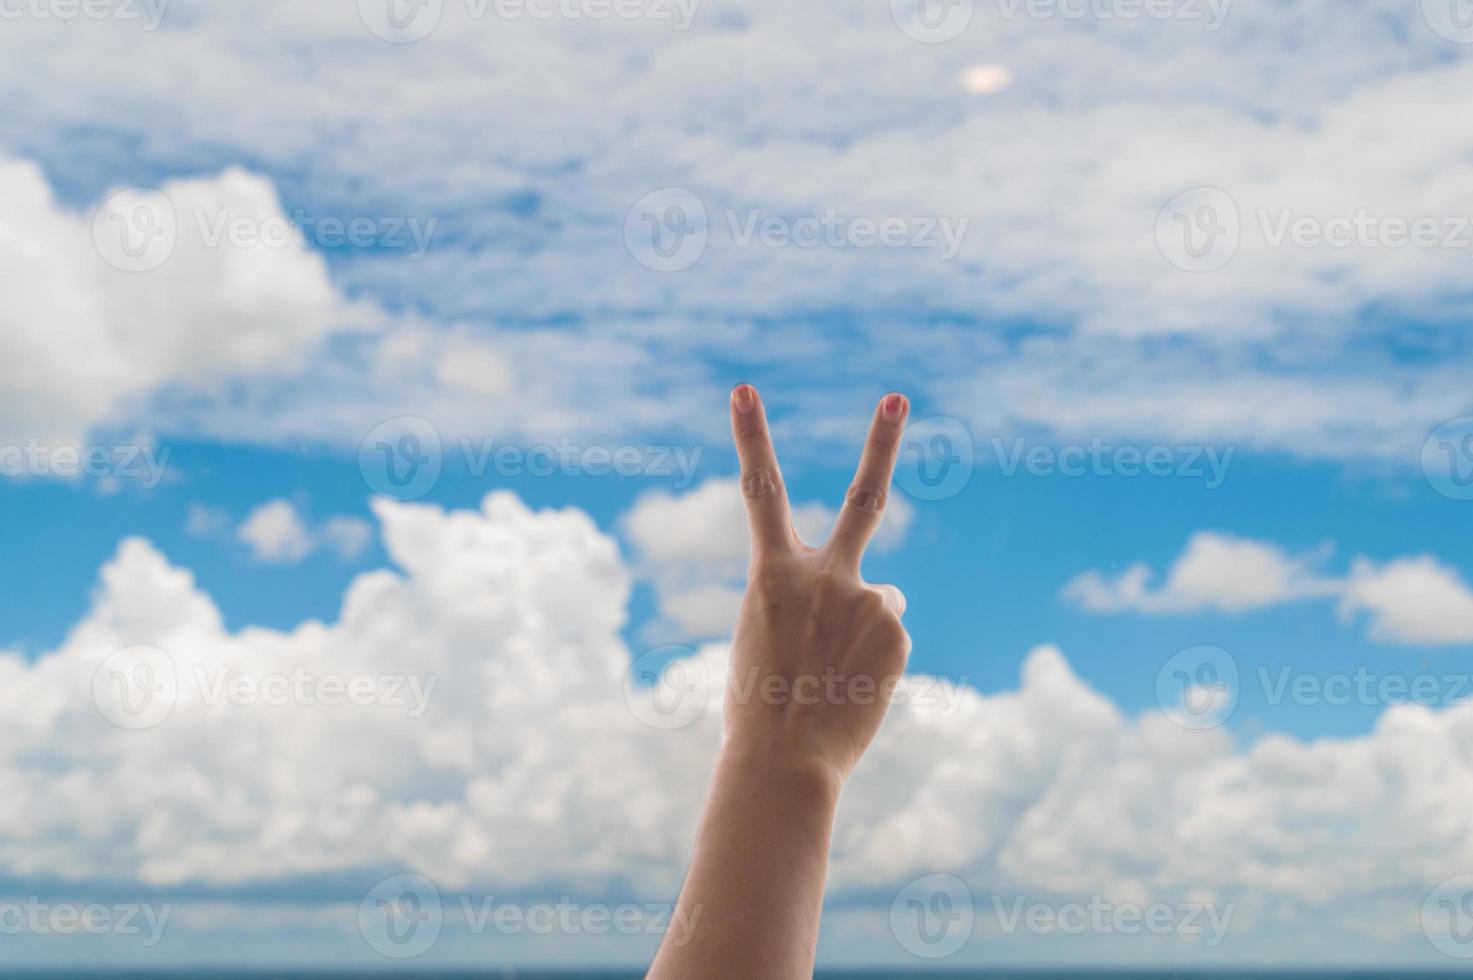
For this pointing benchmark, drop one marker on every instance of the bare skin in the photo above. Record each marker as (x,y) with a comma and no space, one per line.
(815,656)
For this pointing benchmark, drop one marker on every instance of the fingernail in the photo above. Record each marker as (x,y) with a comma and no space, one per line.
(743,397)
(894,406)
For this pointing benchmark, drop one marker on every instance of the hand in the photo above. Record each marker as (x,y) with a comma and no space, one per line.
(814,659)
(817,651)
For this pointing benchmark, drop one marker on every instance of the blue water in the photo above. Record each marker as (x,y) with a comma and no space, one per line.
(821,974)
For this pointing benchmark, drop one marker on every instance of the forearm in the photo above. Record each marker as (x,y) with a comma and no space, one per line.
(754,894)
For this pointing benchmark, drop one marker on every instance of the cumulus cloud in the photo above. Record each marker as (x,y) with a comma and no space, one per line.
(205,521)
(347,537)
(493,743)
(694,548)
(1410,601)
(1215,572)
(275,533)
(278,533)
(87,340)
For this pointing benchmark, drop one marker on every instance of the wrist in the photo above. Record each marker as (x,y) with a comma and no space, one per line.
(766,769)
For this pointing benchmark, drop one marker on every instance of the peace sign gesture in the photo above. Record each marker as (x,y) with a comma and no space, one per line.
(817,650)
(815,657)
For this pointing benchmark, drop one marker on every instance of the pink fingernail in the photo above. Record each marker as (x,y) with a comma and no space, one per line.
(743,397)
(894,406)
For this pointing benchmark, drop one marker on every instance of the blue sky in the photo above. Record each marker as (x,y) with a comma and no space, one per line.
(985,569)
(253,243)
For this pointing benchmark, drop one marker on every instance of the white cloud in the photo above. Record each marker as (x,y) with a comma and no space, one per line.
(278,532)
(1275,112)
(348,537)
(85,345)
(694,548)
(1215,572)
(275,533)
(205,521)
(1410,600)
(526,769)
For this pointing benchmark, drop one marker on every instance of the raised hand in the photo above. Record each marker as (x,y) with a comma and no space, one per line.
(817,650)
(815,658)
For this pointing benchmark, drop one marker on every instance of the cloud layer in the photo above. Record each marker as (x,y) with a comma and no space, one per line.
(466,717)
(1064,312)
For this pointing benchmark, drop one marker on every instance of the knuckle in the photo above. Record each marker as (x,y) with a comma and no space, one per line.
(866,499)
(759,484)
(767,586)
(873,604)
(897,638)
(885,438)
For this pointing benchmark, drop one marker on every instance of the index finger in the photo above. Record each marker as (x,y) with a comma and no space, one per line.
(766,498)
(864,504)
